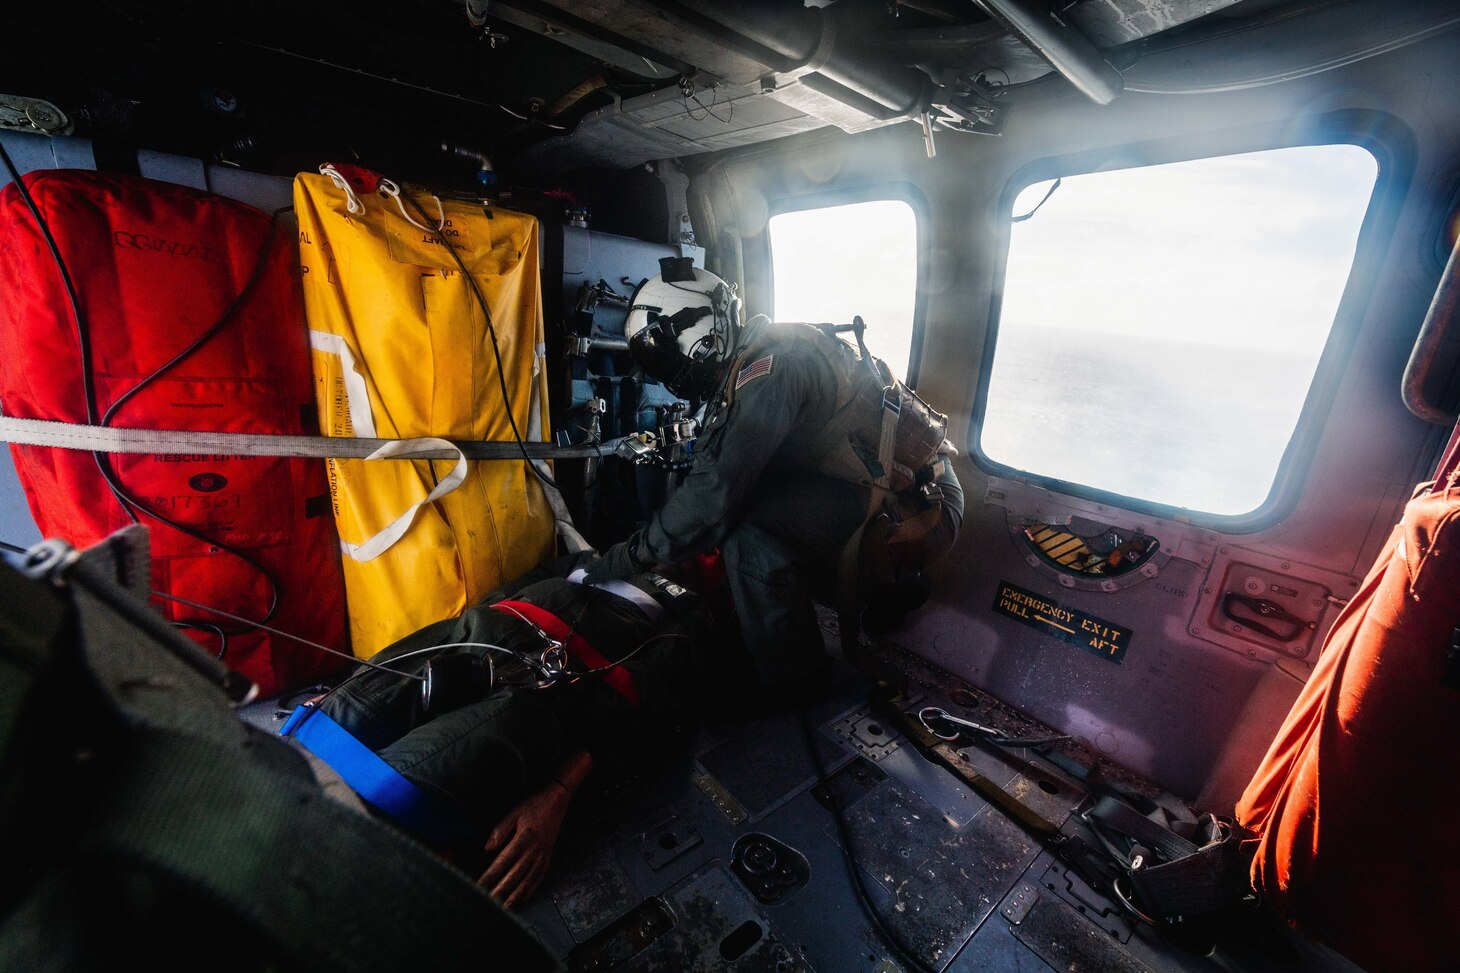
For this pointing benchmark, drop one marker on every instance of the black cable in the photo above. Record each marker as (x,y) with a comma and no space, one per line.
(687,95)
(547,481)
(905,955)
(1030,215)
(211,629)
(1308,70)
(87,379)
(214,329)
(364,664)
(736,335)
(570,677)
(83,344)
(633,652)
(130,504)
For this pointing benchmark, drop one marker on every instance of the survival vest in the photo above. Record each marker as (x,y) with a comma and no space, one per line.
(157,269)
(847,447)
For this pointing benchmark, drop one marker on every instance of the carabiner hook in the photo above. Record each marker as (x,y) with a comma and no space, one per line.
(938,713)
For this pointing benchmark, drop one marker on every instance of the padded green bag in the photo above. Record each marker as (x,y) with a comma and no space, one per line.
(145,824)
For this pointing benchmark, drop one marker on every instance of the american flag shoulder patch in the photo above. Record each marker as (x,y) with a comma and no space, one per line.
(756,369)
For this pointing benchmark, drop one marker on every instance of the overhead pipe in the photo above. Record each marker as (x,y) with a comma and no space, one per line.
(921,43)
(1061,44)
(1435,335)
(807,38)
(953,11)
(802,41)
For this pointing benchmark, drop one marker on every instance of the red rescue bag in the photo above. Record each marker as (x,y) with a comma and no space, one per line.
(155,267)
(1353,800)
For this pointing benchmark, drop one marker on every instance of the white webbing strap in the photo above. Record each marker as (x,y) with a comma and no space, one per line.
(357,397)
(622,589)
(362,424)
(573,542)
(363,445)
(406,449)
(113,439)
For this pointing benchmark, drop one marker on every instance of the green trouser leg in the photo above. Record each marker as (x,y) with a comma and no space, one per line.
(782,554)
(485,756)
(482,757)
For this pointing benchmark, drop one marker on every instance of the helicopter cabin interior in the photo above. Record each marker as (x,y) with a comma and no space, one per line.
(1174,270)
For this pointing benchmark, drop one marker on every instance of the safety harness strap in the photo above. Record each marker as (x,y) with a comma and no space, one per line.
(1124,819)
(576,646)
(1171,875)
(376,781)
(848,623)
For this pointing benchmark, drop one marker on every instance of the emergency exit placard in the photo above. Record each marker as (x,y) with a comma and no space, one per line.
(1070,625)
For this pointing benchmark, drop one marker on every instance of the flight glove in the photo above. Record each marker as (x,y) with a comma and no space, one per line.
(616,564)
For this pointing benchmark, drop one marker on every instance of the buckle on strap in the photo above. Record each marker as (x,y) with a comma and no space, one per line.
(576,645)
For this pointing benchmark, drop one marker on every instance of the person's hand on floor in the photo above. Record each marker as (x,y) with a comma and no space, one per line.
(522,845)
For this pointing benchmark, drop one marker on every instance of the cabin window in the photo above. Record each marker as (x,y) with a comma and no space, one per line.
(1160,327)
(835,262)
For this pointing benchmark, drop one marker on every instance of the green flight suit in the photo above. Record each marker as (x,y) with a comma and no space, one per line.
(755,491)
(484,757)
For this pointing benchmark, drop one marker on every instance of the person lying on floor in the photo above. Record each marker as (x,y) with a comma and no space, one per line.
(492,759)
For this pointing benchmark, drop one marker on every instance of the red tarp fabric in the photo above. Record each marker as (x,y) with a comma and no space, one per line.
(1353,800)
(155,266)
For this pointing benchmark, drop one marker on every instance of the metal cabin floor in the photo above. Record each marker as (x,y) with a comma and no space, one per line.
(648,876)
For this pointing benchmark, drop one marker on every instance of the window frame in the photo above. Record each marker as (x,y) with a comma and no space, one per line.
(1392,146)
(902,192)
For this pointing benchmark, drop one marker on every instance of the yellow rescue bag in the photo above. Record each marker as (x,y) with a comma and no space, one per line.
(402,350)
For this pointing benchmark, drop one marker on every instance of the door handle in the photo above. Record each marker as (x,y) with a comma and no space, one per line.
(1264,616)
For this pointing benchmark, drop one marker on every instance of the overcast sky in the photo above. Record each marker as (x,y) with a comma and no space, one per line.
(1241,259)
(839,261)
(1243,250)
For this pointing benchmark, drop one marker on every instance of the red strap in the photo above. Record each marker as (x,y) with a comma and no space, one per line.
(577,646)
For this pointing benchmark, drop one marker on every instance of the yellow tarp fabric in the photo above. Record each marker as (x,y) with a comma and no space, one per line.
(394,321)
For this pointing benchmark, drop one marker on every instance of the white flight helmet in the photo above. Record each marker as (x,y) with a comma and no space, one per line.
(682,326)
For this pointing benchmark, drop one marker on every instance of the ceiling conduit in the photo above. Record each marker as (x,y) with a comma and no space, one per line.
(1066,49)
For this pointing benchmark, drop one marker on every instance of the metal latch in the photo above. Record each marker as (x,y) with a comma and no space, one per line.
(31,115)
